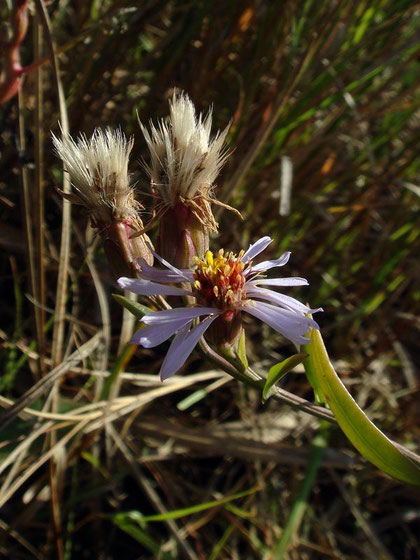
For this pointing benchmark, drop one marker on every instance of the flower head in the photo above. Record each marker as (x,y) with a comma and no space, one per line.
(224,286)
(184,163)
(98,168)
(99,172)
(185,159)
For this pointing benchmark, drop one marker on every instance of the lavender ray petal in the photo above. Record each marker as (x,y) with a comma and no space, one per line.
(266,265)
(153,335)
(158,275)
(168,265)
(293,317)
(174,315)
(256,248)
(295,320)
(147,288)
(182,346)
(280,299)
(295,281)
(287,323)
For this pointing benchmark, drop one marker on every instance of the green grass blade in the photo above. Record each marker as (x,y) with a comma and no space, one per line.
(199,507)
(141,536)
(218,547)
(299,506)
(192,399)
(176,514)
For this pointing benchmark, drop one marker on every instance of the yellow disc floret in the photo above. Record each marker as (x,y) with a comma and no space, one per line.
(219,280)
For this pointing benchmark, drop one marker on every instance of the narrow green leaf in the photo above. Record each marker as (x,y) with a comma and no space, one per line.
(362,433)
(141,519)
(199,507)
(140,535)
(239,512)
(278,371)
(242,350)
(135,308)
(219,546)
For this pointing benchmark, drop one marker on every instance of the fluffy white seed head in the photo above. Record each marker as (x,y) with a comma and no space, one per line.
(184,159)
(98,168)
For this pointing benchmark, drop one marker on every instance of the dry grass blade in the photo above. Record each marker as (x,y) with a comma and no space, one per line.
(40,224)
(124,405)
(61,293)
(24,445)
(27,205)
(286,181)
(208,442)
(96,410)
(14,469)
(102,362)
(363,523)
(39,189)
(46,382)
(88,412)
(41,461)
(21,540)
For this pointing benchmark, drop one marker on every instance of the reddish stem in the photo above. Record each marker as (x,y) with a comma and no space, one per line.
(12,76)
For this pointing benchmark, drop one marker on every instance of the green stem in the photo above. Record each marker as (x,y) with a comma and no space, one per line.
(299,507)
(254,379)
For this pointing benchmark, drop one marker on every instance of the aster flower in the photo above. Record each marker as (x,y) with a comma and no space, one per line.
(223,286)
(184,163)
(98,168)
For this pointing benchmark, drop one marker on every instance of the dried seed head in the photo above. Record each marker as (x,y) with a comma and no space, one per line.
(99,172)
(184,163)
(98,168)
(185,160)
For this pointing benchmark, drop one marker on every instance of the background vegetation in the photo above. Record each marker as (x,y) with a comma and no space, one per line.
(329,88)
